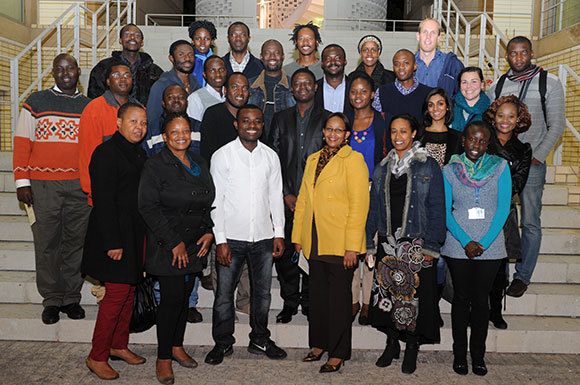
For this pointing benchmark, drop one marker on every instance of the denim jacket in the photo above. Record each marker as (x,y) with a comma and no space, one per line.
(424,211)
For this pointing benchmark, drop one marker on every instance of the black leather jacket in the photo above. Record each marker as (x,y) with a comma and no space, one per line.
(519,158)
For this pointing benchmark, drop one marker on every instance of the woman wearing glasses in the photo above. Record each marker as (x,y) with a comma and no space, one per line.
(329,228)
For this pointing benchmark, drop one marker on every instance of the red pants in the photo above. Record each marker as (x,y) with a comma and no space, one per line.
(112,326)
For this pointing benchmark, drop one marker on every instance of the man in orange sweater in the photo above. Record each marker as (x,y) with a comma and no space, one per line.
(46,172)
(99,119)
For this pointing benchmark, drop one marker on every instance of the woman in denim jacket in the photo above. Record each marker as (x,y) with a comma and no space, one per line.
(407,213)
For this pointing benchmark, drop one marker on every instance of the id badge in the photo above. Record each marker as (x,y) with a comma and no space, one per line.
(476,213)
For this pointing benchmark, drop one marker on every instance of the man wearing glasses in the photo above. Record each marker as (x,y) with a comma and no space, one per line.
(144,71)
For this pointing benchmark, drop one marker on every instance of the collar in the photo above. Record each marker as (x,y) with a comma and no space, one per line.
(405,91)
(342,84)
(438,55)
(244,62)
(110,99)
(261,79)
(240,146)
(214,93)
(55,88)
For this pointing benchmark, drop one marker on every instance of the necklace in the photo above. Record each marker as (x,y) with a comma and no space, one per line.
(358,137)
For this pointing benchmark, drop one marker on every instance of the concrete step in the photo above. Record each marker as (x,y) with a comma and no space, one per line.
(15,228)
(7,181)
(9,204)
(560,241)
(560,217)
(556,269)
(17,256)
(525,334)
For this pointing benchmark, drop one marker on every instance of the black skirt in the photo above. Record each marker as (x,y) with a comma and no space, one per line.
(404,293)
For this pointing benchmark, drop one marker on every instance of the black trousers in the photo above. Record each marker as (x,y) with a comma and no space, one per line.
(472,281)
(172,313)
(497,290)
(330,325)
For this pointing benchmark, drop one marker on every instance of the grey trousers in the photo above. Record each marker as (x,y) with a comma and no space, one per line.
(62,215)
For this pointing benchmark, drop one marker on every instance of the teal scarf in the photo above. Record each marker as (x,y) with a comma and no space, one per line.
(474,112)
(474,174)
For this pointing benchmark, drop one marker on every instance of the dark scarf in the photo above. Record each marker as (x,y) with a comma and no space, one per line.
(326,154)
(475,112)
(526,75)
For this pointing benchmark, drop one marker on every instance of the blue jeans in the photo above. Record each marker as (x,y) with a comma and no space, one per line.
(259,258)
(531,200)
(194,296)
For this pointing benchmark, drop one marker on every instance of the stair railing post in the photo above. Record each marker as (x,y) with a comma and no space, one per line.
(496,58)
(107,25)
(94,40)
(14,94)
(456,33)
(542,19)
(467,38)
(482,25)
(39,64)
(77,31)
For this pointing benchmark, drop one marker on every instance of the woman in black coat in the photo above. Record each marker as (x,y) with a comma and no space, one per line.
(175,197)
(113,251)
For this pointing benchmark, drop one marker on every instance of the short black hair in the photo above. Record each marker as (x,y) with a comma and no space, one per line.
(114,63)
(360,75)
(247,107)
(171,116)
(343,117)
(238,23)
(270,41)
(130,25)
(405,50)
(333,46)
(205,24)
(478,124)
(65,55)
(469,69)
(427,120)
(212,57)
(519,39)
(171,86)
(413,123)
(126,106)
(311,26)
(302,70)
(176,44)
(227,82)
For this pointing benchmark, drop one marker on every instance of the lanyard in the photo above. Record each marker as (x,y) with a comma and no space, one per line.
(477,196)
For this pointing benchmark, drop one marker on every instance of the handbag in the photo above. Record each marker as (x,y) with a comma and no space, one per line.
(511,232)
(144,307)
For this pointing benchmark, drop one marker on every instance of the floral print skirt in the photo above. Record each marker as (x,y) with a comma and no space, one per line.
(404,293)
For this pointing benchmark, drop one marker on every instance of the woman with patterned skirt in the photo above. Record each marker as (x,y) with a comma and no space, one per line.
(407,214)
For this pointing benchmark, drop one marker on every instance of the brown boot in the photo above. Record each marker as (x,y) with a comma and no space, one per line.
(102,369)
(127,356)
(164,372)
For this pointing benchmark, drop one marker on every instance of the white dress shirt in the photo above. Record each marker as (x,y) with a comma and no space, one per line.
(196,106)
(248,193)
(334,97)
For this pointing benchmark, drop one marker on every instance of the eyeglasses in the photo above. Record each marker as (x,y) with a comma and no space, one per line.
(335,130)
(124,75)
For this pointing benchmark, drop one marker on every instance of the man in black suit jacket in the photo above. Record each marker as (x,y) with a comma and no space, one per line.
(295,134)
(332,92)
(239,59)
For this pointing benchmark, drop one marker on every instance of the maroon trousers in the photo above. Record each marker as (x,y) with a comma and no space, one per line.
(112,326)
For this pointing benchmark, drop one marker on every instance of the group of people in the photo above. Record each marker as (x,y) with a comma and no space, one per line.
(222,167)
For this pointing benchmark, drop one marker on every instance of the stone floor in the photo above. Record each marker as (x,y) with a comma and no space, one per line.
(63,363)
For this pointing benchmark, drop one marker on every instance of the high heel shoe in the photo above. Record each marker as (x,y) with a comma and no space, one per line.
(328,368)
(392,350)
(311,357)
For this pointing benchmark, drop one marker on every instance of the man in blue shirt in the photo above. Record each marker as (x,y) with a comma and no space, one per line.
(435,68)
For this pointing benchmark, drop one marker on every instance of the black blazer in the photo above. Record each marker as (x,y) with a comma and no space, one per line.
(284,140)
(252,70)
(176,208)
(115,223)
(319,97)
(382,136)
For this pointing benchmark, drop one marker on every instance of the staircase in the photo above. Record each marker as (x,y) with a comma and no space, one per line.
(542,321)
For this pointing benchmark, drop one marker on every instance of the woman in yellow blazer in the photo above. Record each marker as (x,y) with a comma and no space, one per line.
(329,227)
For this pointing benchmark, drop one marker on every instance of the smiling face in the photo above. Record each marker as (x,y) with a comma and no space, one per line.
(120,81)
(174,99)
(177,135)
(272,56)
(239,38)
(361,95)
(183,58)
(131,39)
(249,123)
(429,36)
(215,73)
(237,91)
(437,107)
(333,62)
(519,55)
(335,132)
(402,136)
(404,65)
(133,124)
(369,53)
(202,40)
(475,142)
(506,118)
(66,72)
(306,42)
(471,87)
(303,88)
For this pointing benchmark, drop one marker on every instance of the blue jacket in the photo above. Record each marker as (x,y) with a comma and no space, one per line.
(424,211)
(448,78)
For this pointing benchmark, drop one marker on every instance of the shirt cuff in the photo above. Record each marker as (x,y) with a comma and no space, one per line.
(22,183)
(220,238)
(279,232)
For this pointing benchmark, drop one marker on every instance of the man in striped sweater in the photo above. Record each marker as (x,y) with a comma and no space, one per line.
(46,172)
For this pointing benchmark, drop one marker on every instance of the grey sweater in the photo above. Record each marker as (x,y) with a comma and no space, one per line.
(542,138)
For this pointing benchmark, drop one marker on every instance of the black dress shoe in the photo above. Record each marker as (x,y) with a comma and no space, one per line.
(206,282)
(73,311)
(328,368)
(269,349)
(286,314)
(392,350)
(50,315)
(517,288)
(478,367)
(194,316)
(217,354)
(460,366)
(498,321)
(311,357)
(410,359)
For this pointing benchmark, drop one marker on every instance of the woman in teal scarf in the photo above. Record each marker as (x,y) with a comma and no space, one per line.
(471,102)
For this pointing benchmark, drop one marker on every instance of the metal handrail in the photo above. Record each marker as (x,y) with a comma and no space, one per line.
(149,17)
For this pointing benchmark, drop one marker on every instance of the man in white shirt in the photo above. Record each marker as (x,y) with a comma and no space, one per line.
(248,226)
(215,74)
(332,90)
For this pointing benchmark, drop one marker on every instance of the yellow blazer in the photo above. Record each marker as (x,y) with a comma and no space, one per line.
(339,202)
